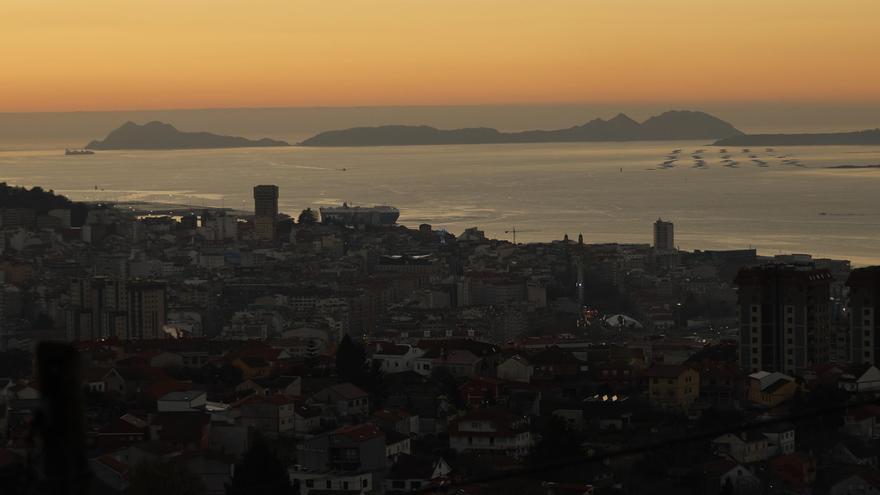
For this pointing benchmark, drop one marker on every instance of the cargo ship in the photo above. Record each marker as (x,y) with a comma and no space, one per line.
(359,215)
(78,152)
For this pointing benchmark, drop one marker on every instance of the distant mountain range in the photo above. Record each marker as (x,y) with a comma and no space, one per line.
(868,137)
(673,125)
(161,136)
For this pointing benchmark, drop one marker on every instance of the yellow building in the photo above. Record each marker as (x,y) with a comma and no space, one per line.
(672,387)
(771,389)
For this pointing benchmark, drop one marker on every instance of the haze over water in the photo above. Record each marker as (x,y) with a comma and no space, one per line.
(610,192)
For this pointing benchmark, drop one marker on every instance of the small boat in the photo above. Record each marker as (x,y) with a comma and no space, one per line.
(78,152)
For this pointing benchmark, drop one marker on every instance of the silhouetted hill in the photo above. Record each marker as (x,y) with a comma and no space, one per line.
(826,139)
(160,136)
(669,125)
(41,201)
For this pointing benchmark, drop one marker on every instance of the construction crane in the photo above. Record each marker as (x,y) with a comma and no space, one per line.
(514,231)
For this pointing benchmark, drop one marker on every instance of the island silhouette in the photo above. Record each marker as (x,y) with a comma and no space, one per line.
(157,135)
(671,125)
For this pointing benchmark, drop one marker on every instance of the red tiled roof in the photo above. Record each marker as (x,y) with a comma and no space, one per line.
(117,466)
(359,433)
(391,414)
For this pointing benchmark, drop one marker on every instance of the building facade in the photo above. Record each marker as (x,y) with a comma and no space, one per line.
(664,236)
(265,211)
(864,304)
(784,313)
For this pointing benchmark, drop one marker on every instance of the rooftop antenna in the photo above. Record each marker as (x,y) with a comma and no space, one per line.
(512,230)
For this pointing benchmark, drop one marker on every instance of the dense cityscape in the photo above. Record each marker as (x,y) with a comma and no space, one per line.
(337,352)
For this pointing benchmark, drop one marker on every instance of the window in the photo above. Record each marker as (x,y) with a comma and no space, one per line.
(310,483)
(328,484)
(345,485)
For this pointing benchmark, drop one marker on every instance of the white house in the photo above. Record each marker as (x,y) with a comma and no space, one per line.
(744,448)
(491,430)
(864,378)
(396,444)
(395,358)
(516,369)
(781,438)
(330,481)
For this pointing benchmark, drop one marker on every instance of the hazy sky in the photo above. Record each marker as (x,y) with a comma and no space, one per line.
(142,54)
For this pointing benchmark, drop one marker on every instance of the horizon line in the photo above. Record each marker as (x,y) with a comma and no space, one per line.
(671,105)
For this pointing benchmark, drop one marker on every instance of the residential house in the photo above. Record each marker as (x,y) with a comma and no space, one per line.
(727,477)
(781,436)
(112,472)
(862,421)
(395,358)
(346,399)
(306,419)
(396,444)
(672,387)
(855,451)
(745,448)
(491,430)
(479,390)
(312,482)
(860,379)
(412,473)
(396,419)
(121,432)
(189,400)
(347,450)
(516,368)
(849,480)
(272,415)
(770,389)
(555,363)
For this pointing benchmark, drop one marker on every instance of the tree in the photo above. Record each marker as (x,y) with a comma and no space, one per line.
(556,442)
(307,217)
(260,473)
(166,478)
(351,362)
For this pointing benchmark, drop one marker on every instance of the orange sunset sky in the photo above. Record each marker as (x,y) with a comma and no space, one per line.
(133,54)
